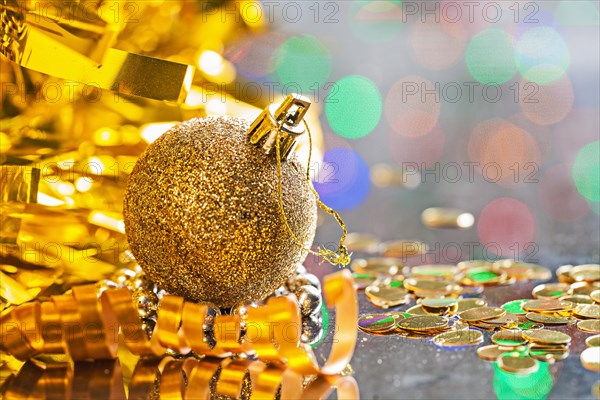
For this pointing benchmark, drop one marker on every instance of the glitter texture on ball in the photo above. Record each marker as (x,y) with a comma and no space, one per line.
(202,213)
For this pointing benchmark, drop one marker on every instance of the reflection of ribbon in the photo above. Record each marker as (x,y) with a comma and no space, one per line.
(205,379)
(73,43)
(88,329)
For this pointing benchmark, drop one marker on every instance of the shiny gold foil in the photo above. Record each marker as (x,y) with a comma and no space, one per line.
(80,53)
(19,184)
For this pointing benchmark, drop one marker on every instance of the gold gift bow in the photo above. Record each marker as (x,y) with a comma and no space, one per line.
(86,328)
(104,379)
(78,50)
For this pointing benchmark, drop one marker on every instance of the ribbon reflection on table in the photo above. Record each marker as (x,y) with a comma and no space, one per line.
(156,377)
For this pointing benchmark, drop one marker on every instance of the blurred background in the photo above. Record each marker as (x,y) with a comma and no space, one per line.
(486,107)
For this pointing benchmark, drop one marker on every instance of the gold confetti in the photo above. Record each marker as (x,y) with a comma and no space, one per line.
(439,217)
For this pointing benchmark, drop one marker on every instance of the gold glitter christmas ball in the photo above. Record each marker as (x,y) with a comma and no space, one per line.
(202,213)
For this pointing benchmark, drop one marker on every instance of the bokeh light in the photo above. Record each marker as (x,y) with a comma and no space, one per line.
(385,175)
(303,62)
(438,46)
(546,104)
(215,68)
(412,106)
(542,134)
(83,184)
(376,21)
(253,57)
(586,171)
(490,57)
(505,153)
(534,19)
(210,62)
(465,220)
(506,228)
(580,127)
(353,107)
(558,197)
(421,150)
(541,54)
(342,180)
(577,13)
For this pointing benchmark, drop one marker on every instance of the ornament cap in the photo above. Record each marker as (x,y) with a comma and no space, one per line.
(284,120)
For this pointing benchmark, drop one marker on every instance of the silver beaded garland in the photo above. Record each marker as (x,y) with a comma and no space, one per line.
(312,280)
(105,284)
(309,299)
(312,327)
(148,327)
(121,276)
(146,296)
(146,302)
(300,269)
(140,281)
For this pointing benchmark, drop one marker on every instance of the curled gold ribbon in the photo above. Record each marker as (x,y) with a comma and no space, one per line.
(98,324)
(283,314)
(89,329)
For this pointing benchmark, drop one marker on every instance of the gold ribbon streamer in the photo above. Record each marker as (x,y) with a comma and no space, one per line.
(47,46)
(88,329)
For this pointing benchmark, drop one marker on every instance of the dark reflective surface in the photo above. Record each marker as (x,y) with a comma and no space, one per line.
(393,367)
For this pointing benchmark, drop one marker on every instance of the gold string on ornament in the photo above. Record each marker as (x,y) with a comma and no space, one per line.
(340,257)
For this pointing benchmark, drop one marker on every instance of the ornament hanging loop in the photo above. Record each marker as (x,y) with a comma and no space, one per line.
(278,127)
(284,120)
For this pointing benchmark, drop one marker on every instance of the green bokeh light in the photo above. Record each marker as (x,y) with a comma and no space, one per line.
(577,13)
(586,171)
(537,385)
(303,61)
(353,107)
(490,57)
(376,21)
(542,56)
